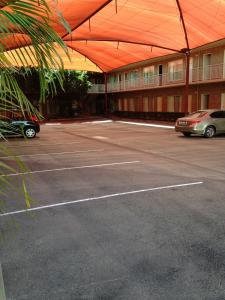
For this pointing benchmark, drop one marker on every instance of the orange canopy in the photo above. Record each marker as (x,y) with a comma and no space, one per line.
(116,33)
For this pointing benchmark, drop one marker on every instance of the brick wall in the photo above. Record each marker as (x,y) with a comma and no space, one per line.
(214,90)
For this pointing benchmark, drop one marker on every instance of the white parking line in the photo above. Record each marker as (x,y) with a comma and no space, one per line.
(101,197)
(146,124)
(98,137)
(51,153)
(34,144)
(97,122)
(52,124)
(71,168)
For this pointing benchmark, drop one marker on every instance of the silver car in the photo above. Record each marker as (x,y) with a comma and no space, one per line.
(206,122)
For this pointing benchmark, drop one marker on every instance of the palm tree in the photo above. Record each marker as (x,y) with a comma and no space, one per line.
(29,23)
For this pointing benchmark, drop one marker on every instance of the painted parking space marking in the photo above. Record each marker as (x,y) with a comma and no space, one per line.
(101,197)
(146,124)
(52,124)
(72,168)
(52,153)
(34,144)
(98,137)
(98,122)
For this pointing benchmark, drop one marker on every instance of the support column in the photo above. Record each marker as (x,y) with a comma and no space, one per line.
(186,92)
(106,95)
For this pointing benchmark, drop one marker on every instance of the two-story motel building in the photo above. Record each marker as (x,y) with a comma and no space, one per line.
(155,88)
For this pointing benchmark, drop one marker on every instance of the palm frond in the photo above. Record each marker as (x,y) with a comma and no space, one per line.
(33,22)
(28,23)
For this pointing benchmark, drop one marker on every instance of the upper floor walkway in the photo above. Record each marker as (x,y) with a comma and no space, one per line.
(211,73)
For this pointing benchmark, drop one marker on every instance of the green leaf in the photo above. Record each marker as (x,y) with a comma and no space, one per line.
(27,23)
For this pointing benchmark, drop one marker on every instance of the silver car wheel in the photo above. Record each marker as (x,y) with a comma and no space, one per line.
(209,132)
(30,133)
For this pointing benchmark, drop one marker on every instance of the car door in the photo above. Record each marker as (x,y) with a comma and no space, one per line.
(223,122)
(218,118)
(17,126)
(10,127)
(4,127)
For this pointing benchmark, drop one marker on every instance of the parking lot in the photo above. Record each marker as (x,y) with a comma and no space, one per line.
(119,211)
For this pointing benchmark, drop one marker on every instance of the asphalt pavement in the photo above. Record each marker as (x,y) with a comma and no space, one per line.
(118,211)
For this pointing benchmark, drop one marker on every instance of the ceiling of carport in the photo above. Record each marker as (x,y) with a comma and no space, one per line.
(115,33)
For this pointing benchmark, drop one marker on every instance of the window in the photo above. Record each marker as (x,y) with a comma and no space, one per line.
(120,104)
(206,66)
(131,104)
(113,78)
(177,103)
(223,101)
(218,115)
(151,103)
(145,104)
(170,104)
(174,104)
(134,75)
(204,101)
(121,77)
(160,74)
(160,70)
(158,104)
(113,81)
(190,69)
(148,74)
(175,70)
(125,104)
(139,102)
(132,78)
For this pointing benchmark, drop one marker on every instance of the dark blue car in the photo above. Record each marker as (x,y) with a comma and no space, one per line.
(26,128)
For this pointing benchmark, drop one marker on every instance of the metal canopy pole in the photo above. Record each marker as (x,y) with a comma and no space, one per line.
(186,51)
(87,18)
(186,93)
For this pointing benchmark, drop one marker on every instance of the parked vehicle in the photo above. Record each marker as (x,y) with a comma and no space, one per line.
(20,126)
(206,122)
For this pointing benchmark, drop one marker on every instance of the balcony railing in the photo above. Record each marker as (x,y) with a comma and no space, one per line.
(209,73)
(97,89)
